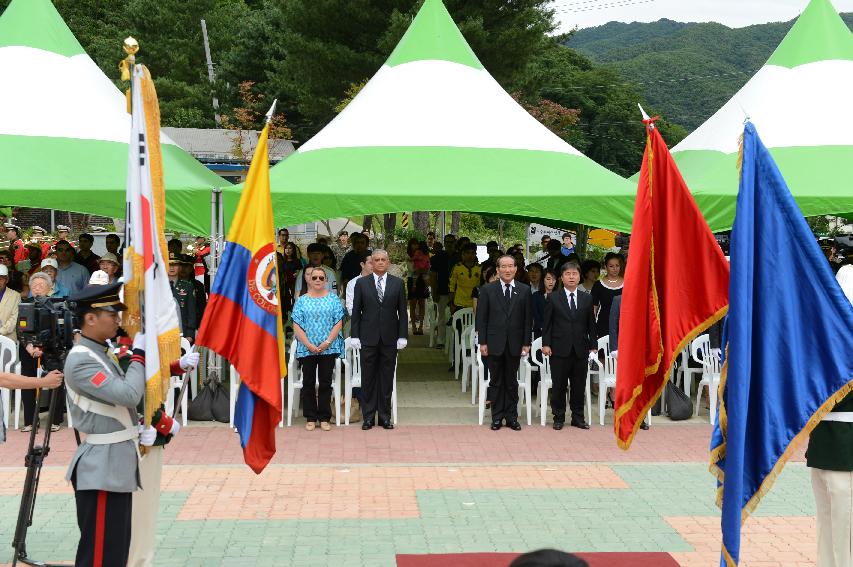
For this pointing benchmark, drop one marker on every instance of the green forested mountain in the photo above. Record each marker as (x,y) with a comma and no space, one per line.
(686,70)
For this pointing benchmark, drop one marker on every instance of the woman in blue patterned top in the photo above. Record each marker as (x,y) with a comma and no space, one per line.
(317,320)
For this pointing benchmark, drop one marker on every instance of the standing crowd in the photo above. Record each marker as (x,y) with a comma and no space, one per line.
(344,289)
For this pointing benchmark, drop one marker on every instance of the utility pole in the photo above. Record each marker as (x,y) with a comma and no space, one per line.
(211,75)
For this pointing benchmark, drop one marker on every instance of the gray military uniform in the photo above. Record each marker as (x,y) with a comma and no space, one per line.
(108,460)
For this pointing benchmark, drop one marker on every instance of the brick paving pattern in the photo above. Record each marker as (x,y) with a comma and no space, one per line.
(349,497)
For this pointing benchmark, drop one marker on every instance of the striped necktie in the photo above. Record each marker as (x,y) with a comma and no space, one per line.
(380,292)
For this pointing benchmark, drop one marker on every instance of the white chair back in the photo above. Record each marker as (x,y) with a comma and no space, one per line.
(609,368)
(461,320)
(8,360)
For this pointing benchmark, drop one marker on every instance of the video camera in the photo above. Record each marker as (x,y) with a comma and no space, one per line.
(48,323)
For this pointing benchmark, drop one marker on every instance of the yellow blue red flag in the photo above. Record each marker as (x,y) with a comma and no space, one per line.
(242,321)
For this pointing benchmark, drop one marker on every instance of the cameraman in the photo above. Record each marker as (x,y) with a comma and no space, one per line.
(41,285)
(102,399)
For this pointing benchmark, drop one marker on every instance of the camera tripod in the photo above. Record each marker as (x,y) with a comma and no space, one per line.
(33,461)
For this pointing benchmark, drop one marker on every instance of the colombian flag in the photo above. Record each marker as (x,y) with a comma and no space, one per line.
(242,320)
(676,286)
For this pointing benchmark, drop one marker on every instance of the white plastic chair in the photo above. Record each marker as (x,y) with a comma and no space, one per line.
(353,379)
(467,359)
(178,382)
(462,319)
(483,384)
(543,364)
(233,388)
(469,367)
(606,375)
(684,374)
(545,382)
(700,350)
(352,376)
(9,363)
(523,378)
(524,388)
(296,380)
(432,320)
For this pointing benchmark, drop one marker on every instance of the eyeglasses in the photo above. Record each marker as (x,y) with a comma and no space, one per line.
(320,278)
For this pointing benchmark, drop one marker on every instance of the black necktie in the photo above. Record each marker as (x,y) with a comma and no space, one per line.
(572,305)
(507,292)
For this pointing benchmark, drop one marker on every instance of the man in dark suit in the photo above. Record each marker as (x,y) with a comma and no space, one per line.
(380,327)
(504,328)
(568,337)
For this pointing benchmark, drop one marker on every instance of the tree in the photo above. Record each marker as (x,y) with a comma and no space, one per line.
(330,45)
(389,225)
(250,117)
(420,220)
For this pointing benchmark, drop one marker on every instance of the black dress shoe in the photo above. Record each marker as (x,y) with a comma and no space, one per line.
(496,425)
(644,426)
(580,424)
(366,425)
(558,425)
(386,424)
(515,426)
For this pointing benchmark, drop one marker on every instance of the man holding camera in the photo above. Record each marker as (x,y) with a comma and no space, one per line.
(102,399)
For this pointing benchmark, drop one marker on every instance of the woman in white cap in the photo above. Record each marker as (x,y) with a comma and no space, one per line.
(50,267)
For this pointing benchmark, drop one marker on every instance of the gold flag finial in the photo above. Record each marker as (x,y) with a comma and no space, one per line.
(130,46)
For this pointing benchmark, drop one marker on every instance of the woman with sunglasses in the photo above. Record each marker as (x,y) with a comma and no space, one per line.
(317,320)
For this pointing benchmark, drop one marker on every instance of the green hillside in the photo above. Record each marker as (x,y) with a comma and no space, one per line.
(687,70)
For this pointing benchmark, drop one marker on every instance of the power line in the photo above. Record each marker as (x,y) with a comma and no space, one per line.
(607,6)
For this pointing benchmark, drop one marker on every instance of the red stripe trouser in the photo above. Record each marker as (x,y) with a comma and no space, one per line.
(104,521)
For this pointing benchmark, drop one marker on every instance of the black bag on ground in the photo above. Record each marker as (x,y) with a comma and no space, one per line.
(221,407)
(657,409)
(199,408)
(679,404)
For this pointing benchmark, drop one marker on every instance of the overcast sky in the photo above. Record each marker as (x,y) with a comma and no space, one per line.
(733,13)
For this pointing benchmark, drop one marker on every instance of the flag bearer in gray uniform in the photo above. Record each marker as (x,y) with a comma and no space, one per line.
(102,399)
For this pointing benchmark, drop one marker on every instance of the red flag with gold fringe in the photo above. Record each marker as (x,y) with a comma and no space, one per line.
(676,286)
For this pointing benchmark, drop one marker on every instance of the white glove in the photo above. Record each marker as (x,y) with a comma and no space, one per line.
(139,341)
(355,343)
(175,427)
(717,352)
(147,435)
(401,343)
(189,360)
(614,354)
(593,356)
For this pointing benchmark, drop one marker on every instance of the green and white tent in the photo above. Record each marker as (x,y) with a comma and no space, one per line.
(64,128)
(432,130)
(801,103)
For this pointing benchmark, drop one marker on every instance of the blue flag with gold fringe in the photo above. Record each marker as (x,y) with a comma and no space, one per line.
(788,335)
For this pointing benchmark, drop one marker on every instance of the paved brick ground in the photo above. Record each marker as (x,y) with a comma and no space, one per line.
(349,497)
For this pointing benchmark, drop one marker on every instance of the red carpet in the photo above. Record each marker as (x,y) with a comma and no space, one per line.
(641,559)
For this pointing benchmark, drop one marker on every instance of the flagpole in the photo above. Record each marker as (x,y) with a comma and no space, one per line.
(128,68)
